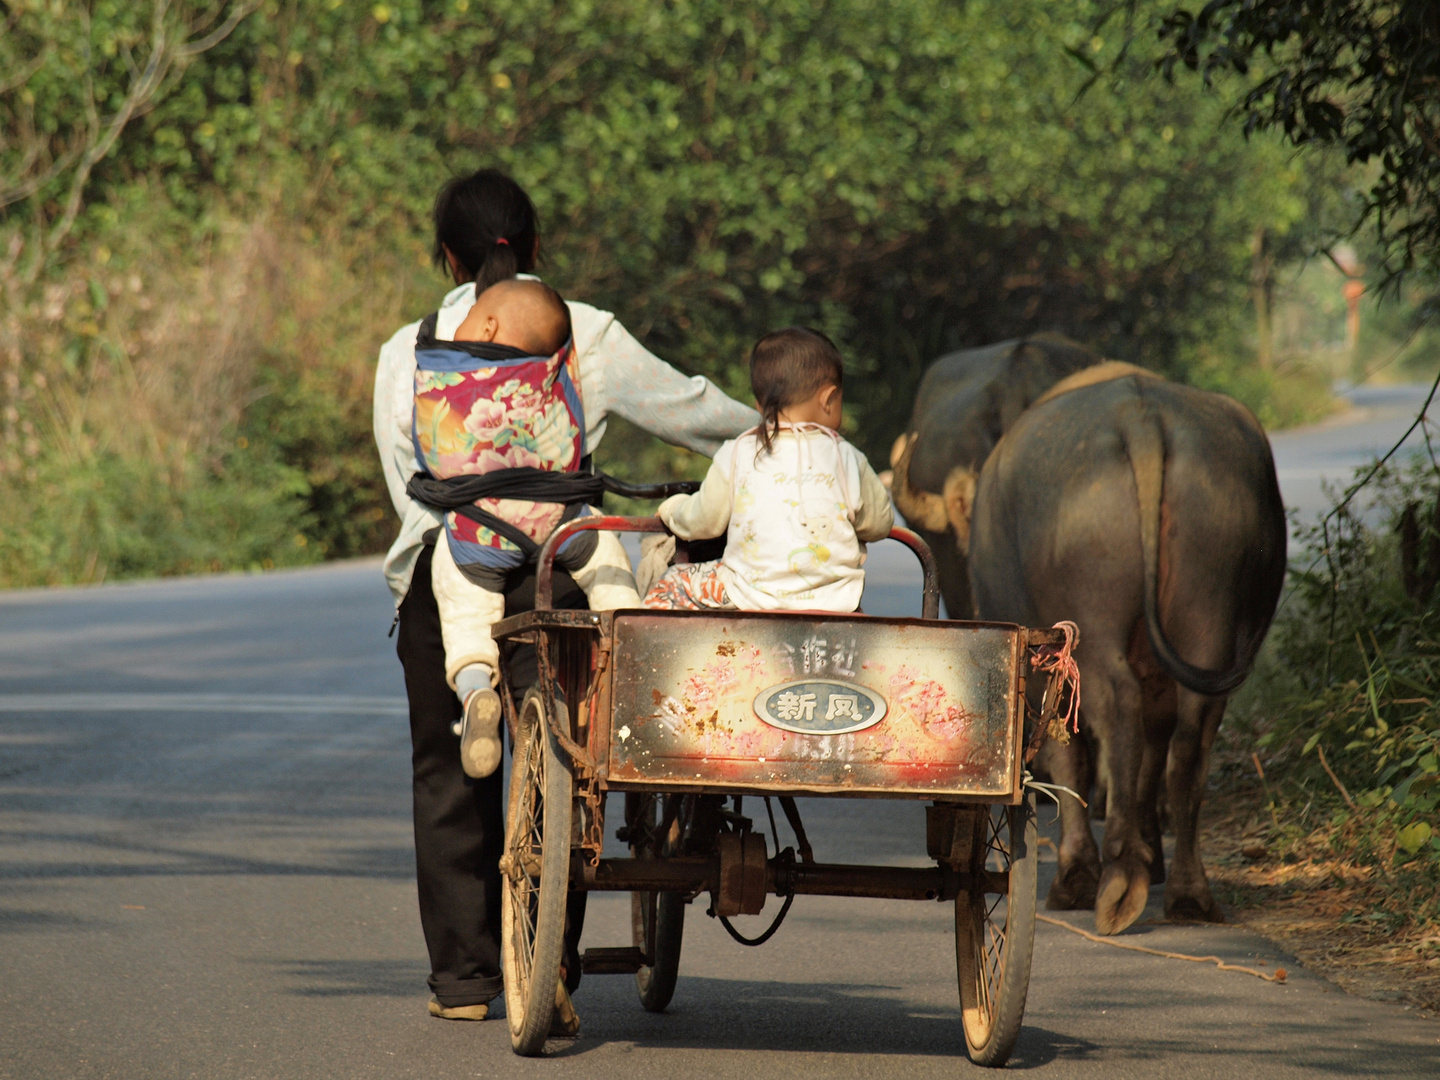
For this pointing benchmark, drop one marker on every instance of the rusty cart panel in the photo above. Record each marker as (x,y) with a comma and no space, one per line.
(687,711)
(822,705)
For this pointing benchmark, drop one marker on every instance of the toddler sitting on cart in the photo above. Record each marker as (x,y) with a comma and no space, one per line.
(500,428)
(796,502)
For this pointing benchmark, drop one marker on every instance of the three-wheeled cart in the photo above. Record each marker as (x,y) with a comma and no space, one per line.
(689,712)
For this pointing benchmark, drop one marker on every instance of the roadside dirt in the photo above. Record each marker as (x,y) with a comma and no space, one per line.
(1325,912)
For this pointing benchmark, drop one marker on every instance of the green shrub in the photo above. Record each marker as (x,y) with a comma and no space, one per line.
(118,515)
(912,177)
(1346,704)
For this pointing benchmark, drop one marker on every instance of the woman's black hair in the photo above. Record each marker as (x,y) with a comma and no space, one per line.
(489,224)
(786,367)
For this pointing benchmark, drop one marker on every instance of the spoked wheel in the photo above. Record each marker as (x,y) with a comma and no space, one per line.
(535,869)
(995,931)
(657,920)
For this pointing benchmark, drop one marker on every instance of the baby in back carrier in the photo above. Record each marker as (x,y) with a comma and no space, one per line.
(796,503)
(500,428)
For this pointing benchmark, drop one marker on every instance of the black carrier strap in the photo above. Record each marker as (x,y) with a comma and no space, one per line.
(459,493)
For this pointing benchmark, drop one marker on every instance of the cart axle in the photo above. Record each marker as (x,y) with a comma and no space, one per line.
(783,877)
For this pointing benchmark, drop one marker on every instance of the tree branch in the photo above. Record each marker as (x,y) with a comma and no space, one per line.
(220,33)
(169,47)
(22,76)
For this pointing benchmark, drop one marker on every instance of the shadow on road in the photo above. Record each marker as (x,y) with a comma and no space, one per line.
(395,863)
(754,1015)
(352,978)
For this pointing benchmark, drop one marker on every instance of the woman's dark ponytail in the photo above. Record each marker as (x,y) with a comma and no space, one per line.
(488,223)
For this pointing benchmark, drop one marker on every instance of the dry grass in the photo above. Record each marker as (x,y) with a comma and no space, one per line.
(148,348)
(1327,911)
(219,384)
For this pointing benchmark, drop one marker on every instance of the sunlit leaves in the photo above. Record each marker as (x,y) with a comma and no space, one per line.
(1360,75)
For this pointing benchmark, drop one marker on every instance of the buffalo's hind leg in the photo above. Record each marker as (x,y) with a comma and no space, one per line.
(1187,893)
(1077,874)
(1113,705)
(1148,796)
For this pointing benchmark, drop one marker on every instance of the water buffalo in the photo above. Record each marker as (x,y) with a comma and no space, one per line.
(966,401)
(1148,513)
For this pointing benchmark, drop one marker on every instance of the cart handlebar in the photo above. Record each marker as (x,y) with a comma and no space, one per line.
(545,561)
(649,491)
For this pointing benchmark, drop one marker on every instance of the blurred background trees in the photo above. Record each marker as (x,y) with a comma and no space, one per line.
(1359,75)
(187,364)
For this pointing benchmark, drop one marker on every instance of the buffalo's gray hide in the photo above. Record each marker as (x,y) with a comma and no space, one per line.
(966,401)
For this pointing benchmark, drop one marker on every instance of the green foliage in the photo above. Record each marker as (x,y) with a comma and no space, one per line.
(1363,75)
(1280,398)
(1348,711)
(312,420)
(913,177)
(115,516)
(73,76)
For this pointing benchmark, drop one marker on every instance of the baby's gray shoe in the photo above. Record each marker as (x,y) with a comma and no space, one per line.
(480,747)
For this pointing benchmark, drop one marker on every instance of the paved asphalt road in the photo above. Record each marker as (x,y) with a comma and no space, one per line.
(1307,458)
(206,871)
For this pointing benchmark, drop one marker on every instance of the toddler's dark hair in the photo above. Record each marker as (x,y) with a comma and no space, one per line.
(786,367)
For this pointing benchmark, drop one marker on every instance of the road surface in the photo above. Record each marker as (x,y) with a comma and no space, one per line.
(206,871)
(1308,458)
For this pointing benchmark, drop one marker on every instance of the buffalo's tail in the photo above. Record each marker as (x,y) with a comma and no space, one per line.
(1145,446)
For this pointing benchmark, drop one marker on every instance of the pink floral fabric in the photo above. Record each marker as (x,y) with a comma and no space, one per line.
(690,587)
(476,416)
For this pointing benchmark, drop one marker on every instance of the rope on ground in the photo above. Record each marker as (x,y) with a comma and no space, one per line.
(1278,977)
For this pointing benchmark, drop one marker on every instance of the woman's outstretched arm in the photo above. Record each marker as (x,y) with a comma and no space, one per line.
(619,375)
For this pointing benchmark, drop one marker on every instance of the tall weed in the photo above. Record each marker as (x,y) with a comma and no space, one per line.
(173,406)
(1346,706)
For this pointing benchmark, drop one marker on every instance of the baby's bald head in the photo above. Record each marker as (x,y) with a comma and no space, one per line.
(526,315)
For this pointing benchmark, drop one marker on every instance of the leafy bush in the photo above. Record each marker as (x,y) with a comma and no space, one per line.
(1346,706)
(121,515)
(914,177)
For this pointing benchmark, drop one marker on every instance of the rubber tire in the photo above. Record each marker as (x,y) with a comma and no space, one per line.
(530,1003)
(990,1043)
(656,984)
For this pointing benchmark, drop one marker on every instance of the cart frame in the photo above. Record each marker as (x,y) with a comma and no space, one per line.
(570,749)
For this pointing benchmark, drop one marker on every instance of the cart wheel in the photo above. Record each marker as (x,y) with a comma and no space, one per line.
(536,875)
(659,914)
(995,931)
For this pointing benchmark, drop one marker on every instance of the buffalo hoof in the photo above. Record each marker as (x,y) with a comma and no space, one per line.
(1124,891)
(1193,909)
(1074,888)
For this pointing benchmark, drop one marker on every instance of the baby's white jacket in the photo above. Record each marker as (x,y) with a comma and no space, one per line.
(796,520)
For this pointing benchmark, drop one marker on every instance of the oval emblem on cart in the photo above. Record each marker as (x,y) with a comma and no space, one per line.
(820,707)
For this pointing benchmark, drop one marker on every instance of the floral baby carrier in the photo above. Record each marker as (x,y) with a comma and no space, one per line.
(500,436)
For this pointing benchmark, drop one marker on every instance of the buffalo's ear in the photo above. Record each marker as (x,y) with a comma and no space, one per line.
(959,503)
